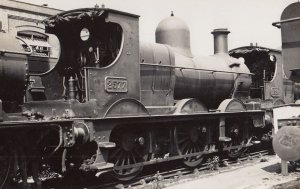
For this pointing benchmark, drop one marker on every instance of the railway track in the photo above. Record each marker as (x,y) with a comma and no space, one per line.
(164,176)
(212,166)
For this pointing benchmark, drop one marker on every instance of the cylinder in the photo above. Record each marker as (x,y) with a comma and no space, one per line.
(220,40)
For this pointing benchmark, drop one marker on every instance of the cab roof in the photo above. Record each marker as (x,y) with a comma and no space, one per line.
(79,14)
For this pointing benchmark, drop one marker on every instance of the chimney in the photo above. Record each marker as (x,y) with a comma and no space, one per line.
(220,40)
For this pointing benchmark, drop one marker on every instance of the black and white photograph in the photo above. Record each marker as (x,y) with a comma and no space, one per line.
(139,94)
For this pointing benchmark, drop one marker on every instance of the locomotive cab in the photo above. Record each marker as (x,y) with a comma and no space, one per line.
(99,57)
(259,62)
(269,81)
(94,43)
(87,43)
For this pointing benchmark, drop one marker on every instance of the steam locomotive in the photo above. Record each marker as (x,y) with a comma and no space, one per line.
(114,104)
(286,117)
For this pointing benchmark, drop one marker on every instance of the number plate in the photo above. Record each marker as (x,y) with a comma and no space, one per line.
(116,84)
(275,92)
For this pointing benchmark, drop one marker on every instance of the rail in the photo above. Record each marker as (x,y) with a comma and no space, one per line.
(278,24)
(177,173)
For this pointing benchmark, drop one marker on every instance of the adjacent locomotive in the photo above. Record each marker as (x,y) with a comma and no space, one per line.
(113,103)
(286,118)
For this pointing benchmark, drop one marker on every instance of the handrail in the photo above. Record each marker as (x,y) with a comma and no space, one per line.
(185,68)
(278,24)
(3,51)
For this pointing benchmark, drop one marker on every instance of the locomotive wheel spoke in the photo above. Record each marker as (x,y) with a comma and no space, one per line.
(120,155)
(128,151)
(188,141)
(138,154)
(117,162)
(185,139)
(237,139)
(234,154)
(116,152)
(128,160)
(123,162)
(133,158)
(184,146)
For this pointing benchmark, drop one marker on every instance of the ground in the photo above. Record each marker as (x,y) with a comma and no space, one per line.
(254,175)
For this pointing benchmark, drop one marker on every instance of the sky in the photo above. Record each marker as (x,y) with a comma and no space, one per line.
(249,21)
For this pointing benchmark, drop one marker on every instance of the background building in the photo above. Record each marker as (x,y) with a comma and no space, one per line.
(24,20)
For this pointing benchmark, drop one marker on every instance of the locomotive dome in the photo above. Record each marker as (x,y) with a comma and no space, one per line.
(174,32)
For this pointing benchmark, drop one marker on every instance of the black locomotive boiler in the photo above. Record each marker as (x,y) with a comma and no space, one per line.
(113,103)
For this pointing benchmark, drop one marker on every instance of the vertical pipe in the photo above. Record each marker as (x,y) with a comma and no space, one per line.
(284,168)
(86,83)
(264,87)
